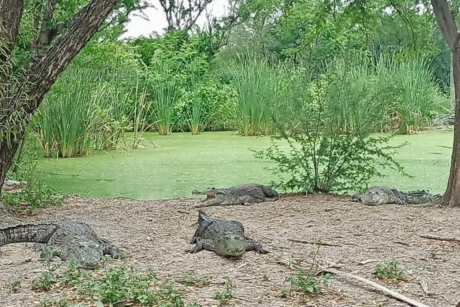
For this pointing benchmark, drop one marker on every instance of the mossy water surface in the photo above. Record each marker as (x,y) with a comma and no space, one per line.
(180,163)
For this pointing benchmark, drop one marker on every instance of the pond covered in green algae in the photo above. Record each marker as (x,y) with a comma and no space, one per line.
(181,163)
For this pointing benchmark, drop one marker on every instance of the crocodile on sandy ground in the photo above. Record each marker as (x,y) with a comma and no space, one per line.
(224,237)
(13,185)
(380,195)
(244,194)
(67,240)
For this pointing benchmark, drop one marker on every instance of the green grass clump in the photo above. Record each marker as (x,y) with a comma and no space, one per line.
(258,86)
(225,296)
(308,282)
(15,286)
(389,271)
(46,302)
(45,281)
(192,279)
(118,286)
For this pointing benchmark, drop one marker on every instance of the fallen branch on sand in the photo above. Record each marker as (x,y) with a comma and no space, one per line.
(431,237)
(314,242)
(377,286)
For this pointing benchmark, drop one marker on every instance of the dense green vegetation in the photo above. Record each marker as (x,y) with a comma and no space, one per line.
(322,76)
(391,75)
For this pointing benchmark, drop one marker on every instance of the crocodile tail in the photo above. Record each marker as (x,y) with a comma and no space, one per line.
(37,233)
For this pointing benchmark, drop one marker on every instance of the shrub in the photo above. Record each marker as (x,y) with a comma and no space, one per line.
(389,271)
(210,106)
(36,193)
(308,282)
(323,155)
(225,296)
(192,279)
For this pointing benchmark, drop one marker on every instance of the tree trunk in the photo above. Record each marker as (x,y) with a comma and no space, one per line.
(17,108)
(446,22)
(6,157)
(451,196)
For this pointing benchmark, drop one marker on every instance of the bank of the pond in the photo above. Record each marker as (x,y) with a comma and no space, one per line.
(181,163)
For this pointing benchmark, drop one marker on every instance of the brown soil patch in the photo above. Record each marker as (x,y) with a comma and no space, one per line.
(156,234)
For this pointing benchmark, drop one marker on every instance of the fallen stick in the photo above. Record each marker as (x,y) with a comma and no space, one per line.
(425,288)
(387,291)
(368,261)
(315,243)
(452,239)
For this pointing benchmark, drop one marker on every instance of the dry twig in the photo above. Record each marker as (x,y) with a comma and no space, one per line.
(387,291)
(313,242)
(431,237)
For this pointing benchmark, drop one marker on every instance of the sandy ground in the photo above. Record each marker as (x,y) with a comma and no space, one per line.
(156,234)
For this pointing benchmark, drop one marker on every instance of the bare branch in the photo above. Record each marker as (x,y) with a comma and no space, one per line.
(44,72)
(182,15)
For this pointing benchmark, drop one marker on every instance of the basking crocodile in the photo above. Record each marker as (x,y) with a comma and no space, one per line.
(244,194)
(380,195)
(225,238)
(12,185)
(68,240)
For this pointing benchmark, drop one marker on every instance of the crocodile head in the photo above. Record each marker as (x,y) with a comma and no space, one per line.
(231,245)
(86,252)
(372,197)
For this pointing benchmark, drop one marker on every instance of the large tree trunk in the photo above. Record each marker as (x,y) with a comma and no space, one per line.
(17,107)
(451,196)
(449,30)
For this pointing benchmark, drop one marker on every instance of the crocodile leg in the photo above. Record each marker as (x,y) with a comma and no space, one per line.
(38,247)
(246,200)
(110,249)
(219,200)
(202,244)
(255,246)
(48,253)
(198,247)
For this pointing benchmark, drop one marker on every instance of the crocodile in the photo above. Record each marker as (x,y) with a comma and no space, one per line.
(13,186)
(244,194)
(68,240)
(225,238)
(380,195)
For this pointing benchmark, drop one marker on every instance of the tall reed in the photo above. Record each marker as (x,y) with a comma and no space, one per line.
(257,85)
(165,89)
(86,110)
(381,94)
(64,120)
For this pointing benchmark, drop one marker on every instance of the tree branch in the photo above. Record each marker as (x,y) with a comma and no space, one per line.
(44,72)
(445,21)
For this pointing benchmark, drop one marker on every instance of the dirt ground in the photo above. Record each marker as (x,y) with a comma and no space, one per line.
(156,234)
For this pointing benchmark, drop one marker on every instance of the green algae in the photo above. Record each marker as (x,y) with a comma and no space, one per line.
(180,163)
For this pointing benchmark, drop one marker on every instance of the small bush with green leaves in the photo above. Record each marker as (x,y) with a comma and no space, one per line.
(324,156)
(225,296)
(45,281)
(390,271)
(119,286)
(15,286)
(46,302)
(308,282)
(192,279)
(36,193)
